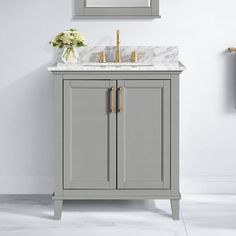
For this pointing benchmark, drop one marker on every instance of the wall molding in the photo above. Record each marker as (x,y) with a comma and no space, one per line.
(26,185)
(208,184)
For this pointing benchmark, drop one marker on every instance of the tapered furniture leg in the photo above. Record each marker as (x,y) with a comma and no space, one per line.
(175,209)
(57,209)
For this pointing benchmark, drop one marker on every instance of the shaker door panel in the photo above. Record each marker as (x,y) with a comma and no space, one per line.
(89,135)
(144,134)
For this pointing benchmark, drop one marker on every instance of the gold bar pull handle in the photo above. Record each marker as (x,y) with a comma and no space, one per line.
(120,99)
(112,99)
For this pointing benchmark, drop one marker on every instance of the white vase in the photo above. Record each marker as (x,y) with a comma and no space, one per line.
(70,55)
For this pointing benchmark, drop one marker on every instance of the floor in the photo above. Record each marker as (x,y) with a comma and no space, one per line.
(201,215)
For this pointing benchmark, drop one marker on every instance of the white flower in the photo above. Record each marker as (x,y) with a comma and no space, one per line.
(66,39)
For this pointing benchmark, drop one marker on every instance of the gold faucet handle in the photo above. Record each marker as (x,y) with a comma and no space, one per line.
(134,56)
(232,49)
(118,56)
(102,57)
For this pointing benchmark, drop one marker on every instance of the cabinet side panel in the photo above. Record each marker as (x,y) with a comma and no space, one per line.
(58,135)
(175,135)
(166,126)
(155,7)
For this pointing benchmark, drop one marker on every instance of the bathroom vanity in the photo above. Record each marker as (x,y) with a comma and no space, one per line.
(117,130)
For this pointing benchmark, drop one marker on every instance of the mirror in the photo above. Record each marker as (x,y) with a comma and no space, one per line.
(116,9)
(117,3)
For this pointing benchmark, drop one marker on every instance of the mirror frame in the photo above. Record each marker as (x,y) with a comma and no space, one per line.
(81,11)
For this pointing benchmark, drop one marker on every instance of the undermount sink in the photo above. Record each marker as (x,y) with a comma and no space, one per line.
(113,64)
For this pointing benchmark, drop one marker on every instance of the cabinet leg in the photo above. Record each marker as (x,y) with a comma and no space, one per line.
(175,209)
(57,209)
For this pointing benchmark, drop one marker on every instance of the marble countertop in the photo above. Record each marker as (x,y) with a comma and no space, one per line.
(157,66)
(150,58)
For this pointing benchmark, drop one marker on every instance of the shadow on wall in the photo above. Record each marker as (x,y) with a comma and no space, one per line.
(230,84)
(26,136)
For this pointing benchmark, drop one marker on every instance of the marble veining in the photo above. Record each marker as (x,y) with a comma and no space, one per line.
(145,53)
(204,215)
(161,58)
(33,215)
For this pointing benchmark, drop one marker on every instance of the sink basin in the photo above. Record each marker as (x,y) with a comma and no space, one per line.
(117,64)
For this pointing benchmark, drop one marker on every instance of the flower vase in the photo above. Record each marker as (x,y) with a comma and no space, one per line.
(70,55)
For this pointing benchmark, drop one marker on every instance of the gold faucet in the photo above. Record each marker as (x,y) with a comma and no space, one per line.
(118,55)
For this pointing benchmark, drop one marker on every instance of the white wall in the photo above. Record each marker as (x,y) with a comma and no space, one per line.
(202,29)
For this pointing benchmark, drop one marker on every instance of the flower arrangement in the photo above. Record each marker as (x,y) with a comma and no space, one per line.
(69,40)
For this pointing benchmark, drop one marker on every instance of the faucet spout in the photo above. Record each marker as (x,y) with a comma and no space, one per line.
(118,56)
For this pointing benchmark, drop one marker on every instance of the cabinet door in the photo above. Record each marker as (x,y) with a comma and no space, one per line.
(89,135)
(144,134)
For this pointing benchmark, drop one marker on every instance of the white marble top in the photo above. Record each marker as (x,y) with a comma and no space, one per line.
(160,66)
(150,58)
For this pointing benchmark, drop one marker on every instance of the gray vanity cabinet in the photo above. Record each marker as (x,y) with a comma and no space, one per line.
(116,136)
